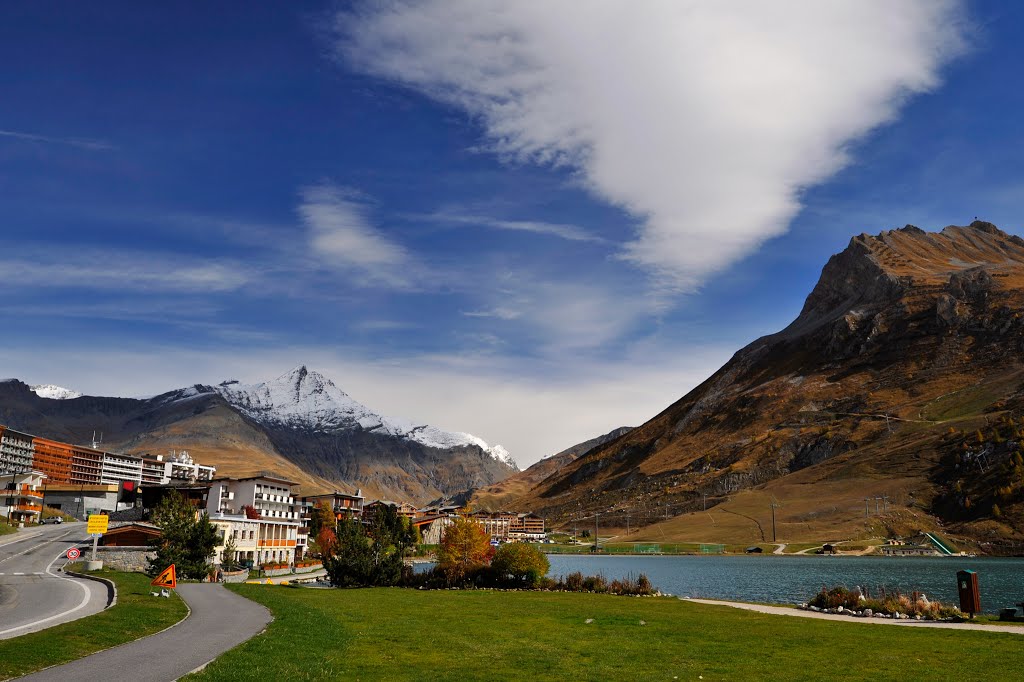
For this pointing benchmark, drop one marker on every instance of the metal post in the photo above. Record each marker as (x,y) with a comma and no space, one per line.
(597,529)
(773,522)
(627,524)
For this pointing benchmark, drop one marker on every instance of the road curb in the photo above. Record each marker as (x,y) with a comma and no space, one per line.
(111,587)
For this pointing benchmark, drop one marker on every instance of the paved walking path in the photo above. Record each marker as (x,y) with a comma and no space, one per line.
(787,611)
(220,620)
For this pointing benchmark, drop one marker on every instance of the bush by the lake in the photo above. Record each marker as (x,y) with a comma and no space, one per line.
(487,577)
(887,602)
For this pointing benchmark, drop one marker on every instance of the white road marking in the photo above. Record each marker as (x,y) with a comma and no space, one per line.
(17,573)
(26,551)
(81,605)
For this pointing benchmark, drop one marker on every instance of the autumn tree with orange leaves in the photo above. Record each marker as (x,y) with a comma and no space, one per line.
(465,547)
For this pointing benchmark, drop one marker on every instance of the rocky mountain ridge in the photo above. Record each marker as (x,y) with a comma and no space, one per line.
(909,340)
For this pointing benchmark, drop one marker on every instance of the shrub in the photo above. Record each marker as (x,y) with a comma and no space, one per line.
(574,582)
(523,563)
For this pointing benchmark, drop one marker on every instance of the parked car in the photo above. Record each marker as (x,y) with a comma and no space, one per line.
(53,519)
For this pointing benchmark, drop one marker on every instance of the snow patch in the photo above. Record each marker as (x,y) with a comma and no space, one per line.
(54,392)
(305,399)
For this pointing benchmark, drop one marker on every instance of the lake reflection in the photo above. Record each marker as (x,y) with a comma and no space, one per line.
(791,579)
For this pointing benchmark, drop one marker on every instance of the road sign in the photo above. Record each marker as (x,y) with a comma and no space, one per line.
(97,524)
(167,578)
(73,553)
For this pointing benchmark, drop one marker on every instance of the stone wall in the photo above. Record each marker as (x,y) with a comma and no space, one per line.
(128,559)
(236,576)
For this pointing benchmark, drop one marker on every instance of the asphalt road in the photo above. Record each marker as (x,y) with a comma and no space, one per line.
(34,594)
(220,620)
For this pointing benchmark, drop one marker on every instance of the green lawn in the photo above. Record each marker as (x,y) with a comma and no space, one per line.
(6,529)
(400,634)
(135,615)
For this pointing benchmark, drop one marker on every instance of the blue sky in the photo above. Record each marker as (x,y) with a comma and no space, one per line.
(508,219)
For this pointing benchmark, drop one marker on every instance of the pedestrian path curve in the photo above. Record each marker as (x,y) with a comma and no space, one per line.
(219,620)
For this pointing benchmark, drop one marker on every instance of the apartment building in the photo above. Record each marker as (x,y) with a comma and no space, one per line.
(16,451)
(64,463)
(21,496)
(404,509)
(345,506)
(116,468)
(175,466)
(496,524)
(244,532)
(53,459)
(86,465)
(527,526)
(271,505)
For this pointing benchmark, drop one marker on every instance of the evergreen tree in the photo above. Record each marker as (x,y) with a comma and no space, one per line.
(227,561)
(187,541)
(351,565)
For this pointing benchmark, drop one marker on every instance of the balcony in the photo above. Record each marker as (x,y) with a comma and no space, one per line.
(276,543)
(28,507)
(26,491)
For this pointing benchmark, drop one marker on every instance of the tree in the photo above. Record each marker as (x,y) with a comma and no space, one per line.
(352,563)
(326,539)
(522,562)
(227,556)
(187,541)
(322,516)
(202,542)
(465,547)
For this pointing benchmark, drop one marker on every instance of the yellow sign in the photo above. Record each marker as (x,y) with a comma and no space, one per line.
(167,578)
(97,524)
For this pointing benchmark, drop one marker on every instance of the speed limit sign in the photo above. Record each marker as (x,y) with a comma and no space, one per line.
(73,553)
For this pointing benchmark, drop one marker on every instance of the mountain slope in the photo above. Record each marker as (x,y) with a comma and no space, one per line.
(299,425)
(505,494)
(905,357)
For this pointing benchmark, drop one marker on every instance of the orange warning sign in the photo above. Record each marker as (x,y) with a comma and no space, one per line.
(167,578)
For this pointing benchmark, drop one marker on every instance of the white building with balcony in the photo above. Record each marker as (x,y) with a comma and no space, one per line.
(274,510)
(17,451)
(117,468)
(177,466)
(21,496)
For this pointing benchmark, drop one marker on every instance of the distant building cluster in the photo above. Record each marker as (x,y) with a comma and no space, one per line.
(260,516)
(502,526)
(79,479)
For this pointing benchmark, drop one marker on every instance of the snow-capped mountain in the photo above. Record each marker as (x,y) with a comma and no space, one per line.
(55,392)
(299,426)
(306,399)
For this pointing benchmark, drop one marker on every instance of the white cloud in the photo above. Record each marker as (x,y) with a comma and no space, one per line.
(704,120)
(499,313)
(343,236)
(122,271)
(561,230)
(80,142)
